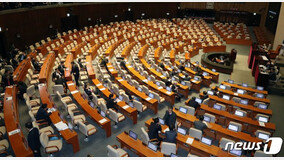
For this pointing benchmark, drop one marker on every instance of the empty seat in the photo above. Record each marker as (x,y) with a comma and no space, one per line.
(158,97)
(224,141)
(50,146)
(2,131)
(66,99)
(236,99)
(58,88)
(196,133)
(168,148)
(139,106)
(4,145)
(97,101)
(212,117)
(236,124)
(190,110)
(87,129)
(114,151)
(116,116)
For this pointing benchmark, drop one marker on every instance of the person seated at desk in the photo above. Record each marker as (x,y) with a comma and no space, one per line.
(173,73)
(205,95)
(199,124)
(36,65)
(186,77)
(154,130)
(22,89)
(170,117)
(171,135)
(181,67)
(104,62)
(162,65)
(7,78)
(123,64)
(216,91)
(56,74)
(33,139)
(174,89)
(193,103)
(61,68)
(88,91)
(81,64)
(272,74)
(111,102)
(42,114)
(233,55)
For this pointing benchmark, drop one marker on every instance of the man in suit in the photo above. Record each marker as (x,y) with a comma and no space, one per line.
(154,129)
(7,78)
(205,95)
(76,72)
(42,114)
(56,74)
(123,64)
(193,103)
(36,65)
(199,124)
(33,139)
(61,68)
(111,103)
(170,117)
(171,135)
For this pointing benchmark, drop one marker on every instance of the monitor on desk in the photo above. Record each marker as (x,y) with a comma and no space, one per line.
(244,85)
(158,83)
(259,88)
(207,119)
(172,67)
(162,122)
(165,74)
(262,106)
(233,127)
(131,104)
(206,141)
(259,95)
(262,136)
(120,97)
(214,70)
(230,81)
(103,114)
(226,97)
(198,100)
(236,152)
(244,101)
(216,106)
(210,93)
(222,86)
(240,91)
(183,110)
(151,95)
(239,113)
(173,155)
(183,83)
(197,62)
(196,78)
(152,146)
(139,89)
(181,131)
(205,74)
(262,119)
(186,65)
(149,78)
(169,89)
(133,135)
(173,79)
(179,71)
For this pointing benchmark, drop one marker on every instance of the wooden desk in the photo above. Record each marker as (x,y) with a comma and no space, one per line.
(184,90)
(110,51)
(17,140)
(20,73)
(121,105)
(68,67)
(208,49)
(216,131)
(169,96)
(136,146)
(126,51)
(46,68)
(250,98)
(142,52)
(157,53)
(253,125)
(249,89)
(252,111)
(69,135)
(112,70)
(197,147)
(172,55)
(214,75)
(150,103)
(94,50)
(93,113)
(89,66)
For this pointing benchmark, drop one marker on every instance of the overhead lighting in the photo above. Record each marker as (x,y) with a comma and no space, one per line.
(50,26)
(0,29)
(129,9)
(68,14)
(115,16)
(254,14)
(143,14)
(89,19)
(168,13)
(178,7)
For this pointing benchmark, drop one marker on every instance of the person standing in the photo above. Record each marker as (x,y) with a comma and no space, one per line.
(76,72)
(33,139)
(170,117)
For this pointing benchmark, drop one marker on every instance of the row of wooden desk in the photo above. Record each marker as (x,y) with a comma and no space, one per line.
(46,68)
(249,89)
(68,67)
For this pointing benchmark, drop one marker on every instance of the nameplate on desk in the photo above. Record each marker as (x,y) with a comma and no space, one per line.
(102,89)
(125,107)
(236,94)
(67,69)
(99,84)
(111,70)
(168,92)
(42,84)
(73,92)
(120,80)
(71,84)
(194,81)
(182,76)
(189,140)
(50,110)
(160,87)
(262,124)
(14,132)
(162,76)
(145,80)
(102,121)
(148,99)
(167,129)
(9,98)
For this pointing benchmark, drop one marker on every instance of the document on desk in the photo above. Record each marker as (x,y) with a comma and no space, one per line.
(125,107)
(148,99)
(111,70)
(194,81)
(99,84)
(71,84)
(236,94)
(189,140)
(145,80)
(9,98)
(120,80)
(102,121)
(168,92)
(73,92)
(167,129)
(61,126)
(102,89)
(160,87)
(262,124)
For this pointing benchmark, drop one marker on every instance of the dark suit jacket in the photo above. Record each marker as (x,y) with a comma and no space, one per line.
(205,97)
(42,114)
(170,136)
(193,104)
(7,81)
(199,125)
(61,69)
(111,104)
(170,119)
(154,130)
(33,139)
(75,70)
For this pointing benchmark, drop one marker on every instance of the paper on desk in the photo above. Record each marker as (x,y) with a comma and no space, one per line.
(162,76)
(148,99)
(261,124)
(70,84)
(167,129)
(264,58)
(125,107)
(9,98)
(168,92)
(73,92)
(145,80)
(111,70)
(120,80)
(51,110)
(102,89)
(14,132)
(189,140)
(160,87)
(102,120)
(236,94)
(99,84)
(61,126)
(194,81)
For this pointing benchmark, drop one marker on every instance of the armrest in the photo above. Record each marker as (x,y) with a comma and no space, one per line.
(90,130)
(53,135)
(52,147)
(124,155)
(41,121)
(115,146)
(4,146)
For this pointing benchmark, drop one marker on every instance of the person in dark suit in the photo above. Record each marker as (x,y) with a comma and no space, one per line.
(56,74)
(199,124)
(171,135)
(154,129)
(170,117)
(88,91)
(76,72)
(205,95)
(216,92)
(123,64)
(33,139)
(193,103)
(81,64)
(22,89)
(36,65)
(61,68)
(111,103)
(42,114)
(7,78)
